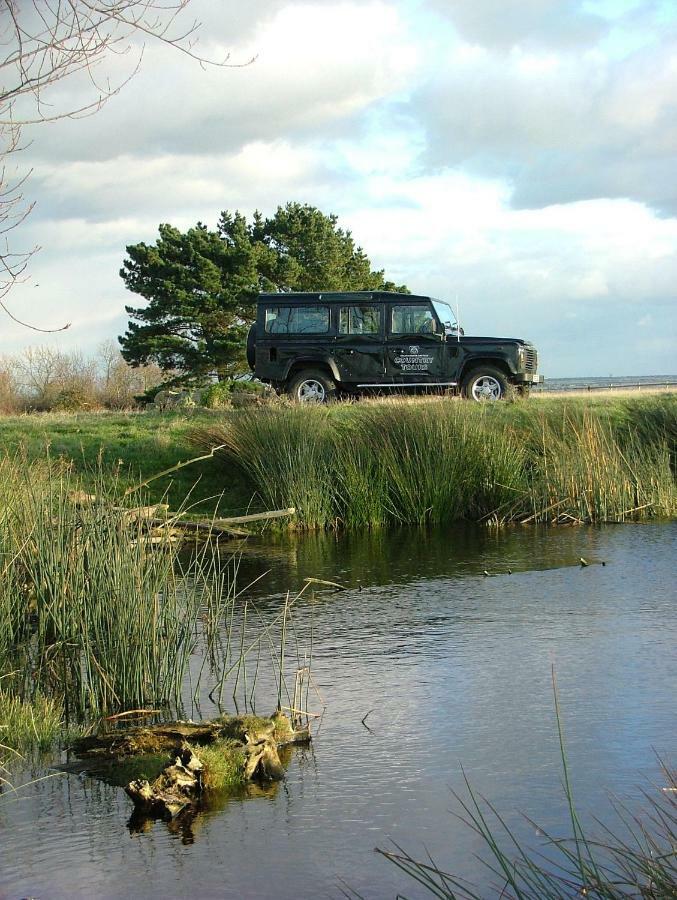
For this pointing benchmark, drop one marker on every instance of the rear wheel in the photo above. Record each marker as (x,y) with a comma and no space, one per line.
(486,383)
(311,386)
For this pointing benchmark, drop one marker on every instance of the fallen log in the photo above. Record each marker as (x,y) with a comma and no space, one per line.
(257,517)
(207,528)
(171,526)
(221,527)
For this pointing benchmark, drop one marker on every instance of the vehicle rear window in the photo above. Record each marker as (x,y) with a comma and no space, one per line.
(360,320)
(297,319)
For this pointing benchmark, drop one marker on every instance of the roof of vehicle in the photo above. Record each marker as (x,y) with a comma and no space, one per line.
(338,296)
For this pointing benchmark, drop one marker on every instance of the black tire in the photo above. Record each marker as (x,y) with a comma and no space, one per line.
(311,386)
(251,347)
(485,383)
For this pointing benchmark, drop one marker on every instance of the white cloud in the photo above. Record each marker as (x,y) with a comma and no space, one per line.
(558,127)
(514,164)
(316,65)
(506,23)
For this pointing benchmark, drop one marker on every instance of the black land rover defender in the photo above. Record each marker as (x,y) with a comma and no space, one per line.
(313,345)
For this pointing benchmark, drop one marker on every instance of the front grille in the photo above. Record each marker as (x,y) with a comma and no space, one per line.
(530,359)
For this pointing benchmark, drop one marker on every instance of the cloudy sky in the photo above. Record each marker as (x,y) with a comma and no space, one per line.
(518,157)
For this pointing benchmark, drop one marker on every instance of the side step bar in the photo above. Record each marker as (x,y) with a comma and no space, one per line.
(402,384)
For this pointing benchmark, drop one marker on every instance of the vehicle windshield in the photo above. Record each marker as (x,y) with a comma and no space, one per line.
(446,315)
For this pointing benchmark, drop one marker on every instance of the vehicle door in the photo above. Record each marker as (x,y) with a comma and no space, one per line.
(415,344)
(359,344)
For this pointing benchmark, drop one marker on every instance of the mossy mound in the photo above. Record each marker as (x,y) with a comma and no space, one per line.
(223,766)
(196,759)
(170,736)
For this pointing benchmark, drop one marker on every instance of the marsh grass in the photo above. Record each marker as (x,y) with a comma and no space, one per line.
(25,724)
(98,619)
(408,461)
(636,859)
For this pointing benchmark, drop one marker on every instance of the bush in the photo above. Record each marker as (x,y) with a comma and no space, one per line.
(225,393)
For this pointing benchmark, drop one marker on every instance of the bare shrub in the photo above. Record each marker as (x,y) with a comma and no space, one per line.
(118,384)
(43,44)
(51,379)
(10,400)
(44,379)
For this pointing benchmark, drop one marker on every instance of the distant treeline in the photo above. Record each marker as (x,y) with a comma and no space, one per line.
(46,379)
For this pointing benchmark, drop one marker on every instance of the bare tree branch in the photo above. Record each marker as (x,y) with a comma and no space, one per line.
(43,42)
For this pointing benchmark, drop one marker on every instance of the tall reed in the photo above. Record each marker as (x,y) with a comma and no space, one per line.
(583,473)
(98,619)
(636,860)
(88,610)
(426,461)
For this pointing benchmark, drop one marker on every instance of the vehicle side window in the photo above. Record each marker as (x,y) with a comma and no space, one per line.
(360,320)
(413,320)
(297,319)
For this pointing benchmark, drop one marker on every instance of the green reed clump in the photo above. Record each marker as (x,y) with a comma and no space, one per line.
(29,723)
(431,462)
(88,609)
(287,453)
(404,461)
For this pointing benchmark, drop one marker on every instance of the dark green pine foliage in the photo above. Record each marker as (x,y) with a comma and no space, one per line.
(201,285)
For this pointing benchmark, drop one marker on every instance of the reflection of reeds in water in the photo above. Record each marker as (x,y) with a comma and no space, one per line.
(637,860)
(411,462)
(100,620)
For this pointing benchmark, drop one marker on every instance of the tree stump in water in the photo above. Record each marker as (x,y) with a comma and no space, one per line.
(235,750)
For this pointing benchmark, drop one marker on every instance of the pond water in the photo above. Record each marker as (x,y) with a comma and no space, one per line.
(453,668)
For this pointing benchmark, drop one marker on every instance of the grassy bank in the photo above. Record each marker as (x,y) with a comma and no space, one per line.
(129,447)
(378,462)
(439,460)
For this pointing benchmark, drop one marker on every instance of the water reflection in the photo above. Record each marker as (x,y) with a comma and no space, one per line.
(401,556)
(188,824)
(455,668)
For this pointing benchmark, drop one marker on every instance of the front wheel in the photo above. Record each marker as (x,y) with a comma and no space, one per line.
(486,383)
(311,386)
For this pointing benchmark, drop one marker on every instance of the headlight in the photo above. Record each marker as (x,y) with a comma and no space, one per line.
(520,357)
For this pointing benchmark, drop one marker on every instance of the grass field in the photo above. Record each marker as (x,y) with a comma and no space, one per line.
(280,458)
(132,446)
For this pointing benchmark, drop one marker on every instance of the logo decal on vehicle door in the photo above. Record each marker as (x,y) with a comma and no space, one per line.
(413,360)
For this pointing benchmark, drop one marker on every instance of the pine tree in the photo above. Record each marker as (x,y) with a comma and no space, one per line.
(201,285)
